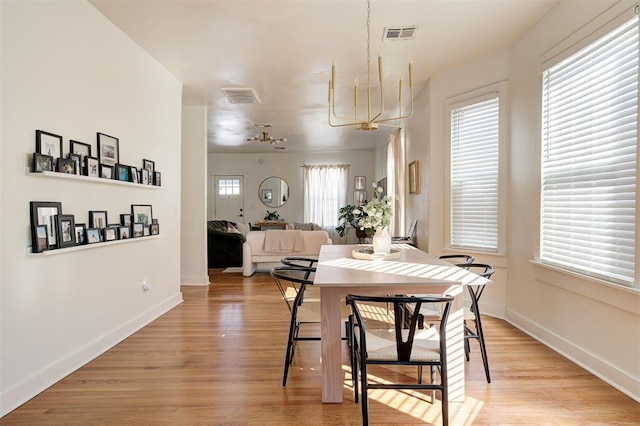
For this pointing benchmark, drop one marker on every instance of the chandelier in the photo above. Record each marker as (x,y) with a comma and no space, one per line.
(266,138)
(371,122)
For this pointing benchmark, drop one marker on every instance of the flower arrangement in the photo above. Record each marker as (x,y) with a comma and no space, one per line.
(271,215)
(376,213)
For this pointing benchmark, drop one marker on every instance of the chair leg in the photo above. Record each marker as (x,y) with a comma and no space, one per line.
(483,348)
(290,350)
(365,396)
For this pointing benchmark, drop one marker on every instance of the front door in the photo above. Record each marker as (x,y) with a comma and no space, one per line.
(228,198)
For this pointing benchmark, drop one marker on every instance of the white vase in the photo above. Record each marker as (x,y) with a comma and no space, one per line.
(382,240)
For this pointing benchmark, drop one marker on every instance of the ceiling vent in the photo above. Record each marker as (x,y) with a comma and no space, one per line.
(241,96)
(399,33)
(263,125)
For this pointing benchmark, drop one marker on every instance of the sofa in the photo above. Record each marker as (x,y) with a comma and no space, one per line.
(224,243)
(267,248)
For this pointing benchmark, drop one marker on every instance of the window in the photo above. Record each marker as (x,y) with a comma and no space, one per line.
(228,186)
(325,191)
(589,140)
(475,170)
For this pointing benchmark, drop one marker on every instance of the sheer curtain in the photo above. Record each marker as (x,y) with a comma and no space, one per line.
(325,191)
(396,172)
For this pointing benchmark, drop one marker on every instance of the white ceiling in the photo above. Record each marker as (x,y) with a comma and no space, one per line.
(284,50)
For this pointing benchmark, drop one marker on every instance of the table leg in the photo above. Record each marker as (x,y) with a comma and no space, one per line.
(331,345)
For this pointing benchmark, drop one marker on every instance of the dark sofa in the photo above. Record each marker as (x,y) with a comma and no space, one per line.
(224,248)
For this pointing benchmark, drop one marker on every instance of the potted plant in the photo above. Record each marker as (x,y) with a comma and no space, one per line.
(271,216)
(349,215)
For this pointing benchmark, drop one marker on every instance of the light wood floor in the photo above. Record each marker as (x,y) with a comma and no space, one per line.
(217,360)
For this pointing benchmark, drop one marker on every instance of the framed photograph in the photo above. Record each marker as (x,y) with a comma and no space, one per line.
(80,148)
(138,229)
(44,213)
(81,234)
(108,149)
(122,172)
(66,230)
(93,235)
(78,162)
(42,163)
(126,219)
(98,219)
(144,176)
(67,166)
(414,177)
(48,144)
(133,174)
(124,232)
(106,172)
(142,213)
(157,179)
(360,183)
(110,234)
(359,197)
(266,196)
(154,229)
(151,166)
(41,238)
(91,165)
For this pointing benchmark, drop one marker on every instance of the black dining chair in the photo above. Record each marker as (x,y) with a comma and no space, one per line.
(457,259)
(398,345)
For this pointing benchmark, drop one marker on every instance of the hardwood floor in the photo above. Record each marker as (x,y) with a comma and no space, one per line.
(217,360)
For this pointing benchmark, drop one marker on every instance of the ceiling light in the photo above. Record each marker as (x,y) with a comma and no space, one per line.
(266,138)
(371,122)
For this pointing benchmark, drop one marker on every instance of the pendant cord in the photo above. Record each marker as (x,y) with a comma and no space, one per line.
(368,43)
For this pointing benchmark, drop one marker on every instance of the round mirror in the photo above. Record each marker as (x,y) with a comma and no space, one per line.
(273,192)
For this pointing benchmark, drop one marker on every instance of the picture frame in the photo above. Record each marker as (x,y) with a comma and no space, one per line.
(157,178)
(267,196)
(124,232)
(41,163)
(81,234)
(360,182)
(79,148)
(126,219)
(44,213)
(66,230)
(77,159)
(133,174)
(106,172)
(98,219)
(151,166)
(66,166)
(414,177)
(122,173)
(48,144)
(108,149)
(110,234)
(142,213)
(91,167)
(138,230)
(41,239)
(144,176)
(154,228)
(93,235)
(359,198)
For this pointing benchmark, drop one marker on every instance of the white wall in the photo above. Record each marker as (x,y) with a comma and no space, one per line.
(193,245)
(67,70)
(257,167)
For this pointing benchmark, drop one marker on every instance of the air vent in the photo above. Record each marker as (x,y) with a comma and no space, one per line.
(400,33)
(241,96)
(263,125)
(279,147)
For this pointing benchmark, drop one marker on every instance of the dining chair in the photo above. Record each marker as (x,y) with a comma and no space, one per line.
(293,282)
(457,259)
(397,345)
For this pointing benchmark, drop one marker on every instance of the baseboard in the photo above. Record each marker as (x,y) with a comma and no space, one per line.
(612,375)
(12,398)
(202,280)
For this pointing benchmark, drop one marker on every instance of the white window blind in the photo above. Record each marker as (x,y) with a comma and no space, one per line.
(589,139)
(474,175)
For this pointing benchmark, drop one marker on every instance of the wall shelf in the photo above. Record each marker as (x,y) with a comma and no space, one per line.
(90,179)
(91,246)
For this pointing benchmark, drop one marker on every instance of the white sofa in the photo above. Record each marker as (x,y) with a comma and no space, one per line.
(269,247)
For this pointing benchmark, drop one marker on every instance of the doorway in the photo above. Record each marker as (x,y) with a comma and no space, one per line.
(228,198)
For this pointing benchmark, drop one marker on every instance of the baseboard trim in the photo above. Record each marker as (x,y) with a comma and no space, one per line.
(12,398)
(195,280)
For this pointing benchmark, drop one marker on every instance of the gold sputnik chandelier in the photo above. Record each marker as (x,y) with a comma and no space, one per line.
(371,122)
(266,138)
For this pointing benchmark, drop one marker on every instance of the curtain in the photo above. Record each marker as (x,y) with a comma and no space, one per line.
(324,192)
(396,172)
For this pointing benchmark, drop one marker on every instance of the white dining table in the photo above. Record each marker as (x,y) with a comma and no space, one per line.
(411,271)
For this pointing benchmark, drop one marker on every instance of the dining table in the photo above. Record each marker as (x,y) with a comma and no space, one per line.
(348,269)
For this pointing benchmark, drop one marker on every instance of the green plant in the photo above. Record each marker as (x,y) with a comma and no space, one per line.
(349,215)
(377,212)
(271,215)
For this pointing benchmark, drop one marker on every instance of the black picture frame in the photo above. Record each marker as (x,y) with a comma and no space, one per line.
(154,228)
(142,213)
(40,238)
(133,174)
(80,148)
(44,213)
(149,165)
(144,176)
(48,144)
(66,166)
(126,219)
(77,159)
(65,230)
(41,163)
(108,149)
(98,219)
(124,232)
(122,173)
(157,178)
(93,235)
(137,230)
(81,234)
(91,167)
(109,234)
(106,172)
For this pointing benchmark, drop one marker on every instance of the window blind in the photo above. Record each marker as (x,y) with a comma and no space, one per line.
(589,139)
(474,175)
